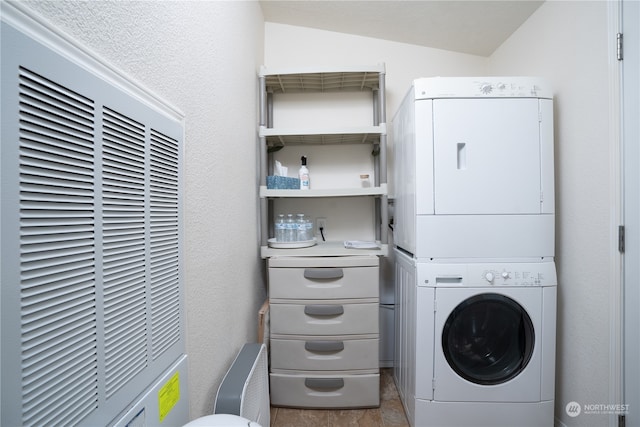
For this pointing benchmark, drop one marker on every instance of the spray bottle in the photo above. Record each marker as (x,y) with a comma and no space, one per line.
(303,174)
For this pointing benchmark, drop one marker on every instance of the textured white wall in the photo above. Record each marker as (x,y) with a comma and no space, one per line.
(566,42)
(203,58)
(287,45)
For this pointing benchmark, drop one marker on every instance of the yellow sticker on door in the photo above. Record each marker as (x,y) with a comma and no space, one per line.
(169,395)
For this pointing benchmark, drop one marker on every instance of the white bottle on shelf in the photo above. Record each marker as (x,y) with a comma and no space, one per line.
(303,174)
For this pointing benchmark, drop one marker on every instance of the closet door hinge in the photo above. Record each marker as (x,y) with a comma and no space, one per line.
(619,53)
(621,238)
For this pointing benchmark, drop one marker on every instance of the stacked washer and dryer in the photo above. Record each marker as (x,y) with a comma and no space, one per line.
(474,249)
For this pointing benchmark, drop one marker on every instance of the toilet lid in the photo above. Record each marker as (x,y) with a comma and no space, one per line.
(221,420)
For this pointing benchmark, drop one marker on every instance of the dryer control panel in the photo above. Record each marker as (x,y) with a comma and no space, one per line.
(486,274)
(481,87)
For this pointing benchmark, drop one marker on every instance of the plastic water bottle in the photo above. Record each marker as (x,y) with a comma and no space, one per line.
(280,228)
(309,226)
(290,230)
(301,226)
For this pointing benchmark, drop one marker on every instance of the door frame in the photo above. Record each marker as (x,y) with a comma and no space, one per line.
(617,203)
(629,136)
(615,167)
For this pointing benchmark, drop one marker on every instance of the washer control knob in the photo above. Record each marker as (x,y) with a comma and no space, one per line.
(505,275)
(489,276)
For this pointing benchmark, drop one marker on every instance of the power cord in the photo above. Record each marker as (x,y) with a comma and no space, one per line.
(322,233)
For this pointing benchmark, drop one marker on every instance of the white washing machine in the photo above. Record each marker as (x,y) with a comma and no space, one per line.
(478,346)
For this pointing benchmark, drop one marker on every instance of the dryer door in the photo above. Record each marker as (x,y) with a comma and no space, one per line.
(486,156)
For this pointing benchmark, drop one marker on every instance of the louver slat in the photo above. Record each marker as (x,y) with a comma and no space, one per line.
(123,201)
(165,316)
(57,253)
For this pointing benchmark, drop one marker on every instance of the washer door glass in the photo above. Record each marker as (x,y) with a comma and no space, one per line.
(488,339)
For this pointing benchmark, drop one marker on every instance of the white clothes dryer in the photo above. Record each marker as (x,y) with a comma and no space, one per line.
(474,169)
(483,350)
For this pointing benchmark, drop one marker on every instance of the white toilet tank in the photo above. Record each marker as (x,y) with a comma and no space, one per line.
(243,395)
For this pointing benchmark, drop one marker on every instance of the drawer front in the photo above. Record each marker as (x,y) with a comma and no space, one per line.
(315,354)
(325,391)
(324,319)
(323,282)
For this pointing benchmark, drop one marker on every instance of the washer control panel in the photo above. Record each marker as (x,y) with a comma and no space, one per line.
(509,276)
(486,274)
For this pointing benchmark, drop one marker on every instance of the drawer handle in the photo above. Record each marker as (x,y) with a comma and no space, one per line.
(323,310)
(323,273)
(324,345)
(324,383)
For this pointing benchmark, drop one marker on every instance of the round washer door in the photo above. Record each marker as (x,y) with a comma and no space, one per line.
(488,339)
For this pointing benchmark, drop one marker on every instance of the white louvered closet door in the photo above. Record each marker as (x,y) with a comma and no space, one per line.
(92,306)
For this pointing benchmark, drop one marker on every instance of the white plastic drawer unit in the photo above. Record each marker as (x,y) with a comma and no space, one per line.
(324,353)
(323,278)
(325,390)
(325,317)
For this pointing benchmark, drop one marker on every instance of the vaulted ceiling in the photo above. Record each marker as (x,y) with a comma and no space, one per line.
(476,27)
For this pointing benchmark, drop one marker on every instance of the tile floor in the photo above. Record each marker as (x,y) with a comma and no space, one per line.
(389,414)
